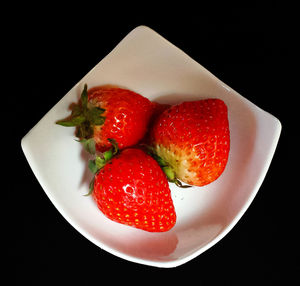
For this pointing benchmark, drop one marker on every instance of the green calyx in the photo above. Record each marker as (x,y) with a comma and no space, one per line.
(84,117)
(167,169)
(100,159)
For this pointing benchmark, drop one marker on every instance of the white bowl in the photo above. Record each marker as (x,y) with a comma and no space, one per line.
(150,65)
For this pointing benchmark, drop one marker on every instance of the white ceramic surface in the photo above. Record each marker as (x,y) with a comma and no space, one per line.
(147,63)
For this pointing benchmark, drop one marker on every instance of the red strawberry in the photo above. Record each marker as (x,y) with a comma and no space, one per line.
(132,189)
(158,109)
(110,112)
(193,139)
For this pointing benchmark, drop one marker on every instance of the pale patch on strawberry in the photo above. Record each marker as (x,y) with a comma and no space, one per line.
(183,169)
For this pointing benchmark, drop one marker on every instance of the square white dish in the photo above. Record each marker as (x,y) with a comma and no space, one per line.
(148,64)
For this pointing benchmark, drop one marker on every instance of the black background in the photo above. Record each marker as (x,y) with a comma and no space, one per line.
(248,46)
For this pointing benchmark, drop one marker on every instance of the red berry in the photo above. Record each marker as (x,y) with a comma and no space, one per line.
(193,138)
(132,189)
(157,110)
(126,115)
(105,113)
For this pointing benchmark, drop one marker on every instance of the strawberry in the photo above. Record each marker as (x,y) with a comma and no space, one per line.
(157,109)
(110,112)
(132,189)
(193,139)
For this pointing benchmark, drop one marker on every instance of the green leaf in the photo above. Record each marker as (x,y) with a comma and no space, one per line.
(84,97)
(89,145)
(92,166)
(85,130)
(76,110)
(100,163)
(74,121)
(169,173)
(98,120)
(108,155)
(94,116)
(114,143)
(91,187)
(96,111)
(161,162)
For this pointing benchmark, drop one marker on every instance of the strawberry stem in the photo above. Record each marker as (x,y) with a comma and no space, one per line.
(169,173)
(100,160)
(167,169)
(84,116)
